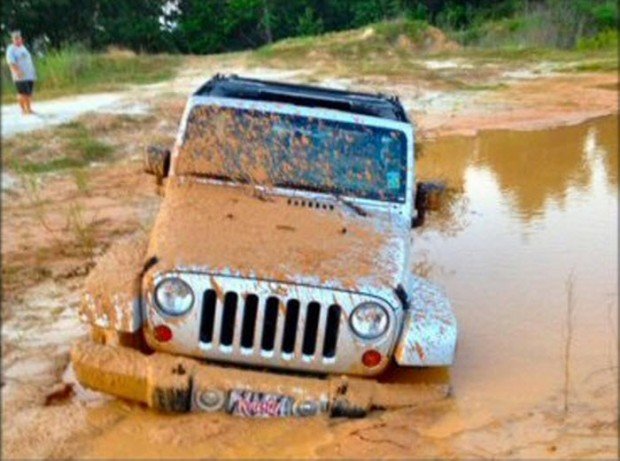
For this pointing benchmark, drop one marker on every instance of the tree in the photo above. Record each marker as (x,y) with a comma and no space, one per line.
(59,21)
(309,24)
(135,24)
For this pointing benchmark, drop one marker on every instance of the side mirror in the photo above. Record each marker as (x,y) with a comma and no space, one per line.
(428,196)
(157,162)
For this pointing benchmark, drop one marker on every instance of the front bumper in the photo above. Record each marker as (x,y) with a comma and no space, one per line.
(178,384)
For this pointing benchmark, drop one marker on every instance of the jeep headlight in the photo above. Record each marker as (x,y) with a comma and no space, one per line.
(369,320)
(173,296)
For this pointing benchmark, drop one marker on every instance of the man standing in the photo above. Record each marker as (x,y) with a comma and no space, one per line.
(22,71)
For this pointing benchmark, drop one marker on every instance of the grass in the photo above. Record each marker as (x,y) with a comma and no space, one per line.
(397,49)
(568,339)
(561,24)
(73,70)
(356,51)
(82,230)
(92,138)
(81,177)
(531,54)
(594,66)
(71,145)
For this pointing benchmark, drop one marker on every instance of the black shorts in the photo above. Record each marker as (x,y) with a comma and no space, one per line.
(25,87)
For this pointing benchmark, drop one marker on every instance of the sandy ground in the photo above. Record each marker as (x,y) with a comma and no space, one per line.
(533,97)
(45,415)
(57,111)
(130,102)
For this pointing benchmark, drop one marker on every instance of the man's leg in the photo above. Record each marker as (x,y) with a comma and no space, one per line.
(21,100)
(27,104)
(29,97)
(22,91)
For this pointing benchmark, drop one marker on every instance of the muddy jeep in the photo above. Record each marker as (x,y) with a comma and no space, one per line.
(277,274)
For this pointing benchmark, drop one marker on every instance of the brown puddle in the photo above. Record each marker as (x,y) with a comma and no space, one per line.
(536,207)
(531,208)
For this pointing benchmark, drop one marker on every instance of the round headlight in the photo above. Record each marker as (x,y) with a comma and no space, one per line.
(174,297)
(369,320)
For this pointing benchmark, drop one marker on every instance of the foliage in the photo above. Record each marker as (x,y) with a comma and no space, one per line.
(212,26)
(309,24)
(76,70)
(607,39)
(386,47)
(73,147)
(545,23)
(133,24)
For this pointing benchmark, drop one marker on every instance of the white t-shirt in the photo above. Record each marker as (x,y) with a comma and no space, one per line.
(19,56)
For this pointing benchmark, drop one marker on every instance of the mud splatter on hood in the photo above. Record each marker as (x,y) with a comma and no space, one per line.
(232,230)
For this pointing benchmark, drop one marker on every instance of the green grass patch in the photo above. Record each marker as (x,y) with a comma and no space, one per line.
(391,42)
(396,49)
(596,66)
(89,148)
(527,55)
(605,40)
(70,145)
(484,87)
(73,70)
(56,164)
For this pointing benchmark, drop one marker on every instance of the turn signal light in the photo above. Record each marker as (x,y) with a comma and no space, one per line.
(371,358)
(162,333)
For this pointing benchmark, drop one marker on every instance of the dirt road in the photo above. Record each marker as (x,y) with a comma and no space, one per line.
(131,102)
(530,209)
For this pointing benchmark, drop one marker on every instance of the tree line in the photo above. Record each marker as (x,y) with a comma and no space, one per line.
(213,26)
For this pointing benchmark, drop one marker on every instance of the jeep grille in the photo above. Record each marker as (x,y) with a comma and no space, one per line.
(269,325)
(247,321)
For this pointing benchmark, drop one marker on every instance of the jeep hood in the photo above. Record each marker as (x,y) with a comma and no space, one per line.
(233,230)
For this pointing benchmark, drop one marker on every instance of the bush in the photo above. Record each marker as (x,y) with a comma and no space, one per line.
(392,30)
(540,24)
(605,40)
(309,24)
(73,69)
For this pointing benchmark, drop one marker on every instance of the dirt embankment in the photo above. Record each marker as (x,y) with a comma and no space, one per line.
(529,104)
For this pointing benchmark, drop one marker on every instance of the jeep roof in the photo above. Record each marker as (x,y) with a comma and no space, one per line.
(376,105)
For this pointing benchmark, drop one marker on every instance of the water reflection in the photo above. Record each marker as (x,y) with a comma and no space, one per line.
(540,205)
(532,169)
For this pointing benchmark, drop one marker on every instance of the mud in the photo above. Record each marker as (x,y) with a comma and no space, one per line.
(231,230)
(528,209)
(112,289)
(534,104)
(268,150)
(170,383)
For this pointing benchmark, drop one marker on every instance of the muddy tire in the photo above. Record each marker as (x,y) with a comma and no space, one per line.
(109,337)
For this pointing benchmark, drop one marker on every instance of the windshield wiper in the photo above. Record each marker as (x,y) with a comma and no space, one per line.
(337,196)
(358,209)
(217,177)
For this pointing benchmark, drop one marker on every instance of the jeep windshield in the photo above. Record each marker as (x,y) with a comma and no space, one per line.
(294,151)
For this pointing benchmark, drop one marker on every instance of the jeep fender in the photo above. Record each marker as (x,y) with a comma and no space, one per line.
(429,332)
(111,297)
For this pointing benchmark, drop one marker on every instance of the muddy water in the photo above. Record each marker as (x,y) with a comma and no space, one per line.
(536,219)
(530,212)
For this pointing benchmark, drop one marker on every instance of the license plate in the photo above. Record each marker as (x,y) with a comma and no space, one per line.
(259,404)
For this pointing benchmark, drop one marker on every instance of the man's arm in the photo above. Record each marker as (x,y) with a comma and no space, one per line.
(12,62)
(17,70)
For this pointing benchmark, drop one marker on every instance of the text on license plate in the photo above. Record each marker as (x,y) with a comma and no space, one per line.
(259,404)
